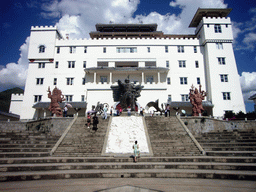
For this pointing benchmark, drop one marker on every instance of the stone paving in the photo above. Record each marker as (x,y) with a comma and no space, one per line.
(130,185)
(121,138)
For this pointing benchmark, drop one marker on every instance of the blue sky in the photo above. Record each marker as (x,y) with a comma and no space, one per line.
(78,18)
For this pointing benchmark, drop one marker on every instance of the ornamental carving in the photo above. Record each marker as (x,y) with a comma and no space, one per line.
(56,98)
(196,97)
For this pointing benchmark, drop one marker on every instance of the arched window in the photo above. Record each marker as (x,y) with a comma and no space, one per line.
(41,49)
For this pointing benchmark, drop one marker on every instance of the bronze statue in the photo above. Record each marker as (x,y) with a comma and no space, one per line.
(127,93)
(196,97)
(56,98)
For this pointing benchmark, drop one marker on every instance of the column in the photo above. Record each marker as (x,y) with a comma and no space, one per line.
(142,77)
(95,77)
(44,113)
(110,78)
(158,77)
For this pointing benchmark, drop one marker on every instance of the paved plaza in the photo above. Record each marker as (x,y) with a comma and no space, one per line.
(130,185)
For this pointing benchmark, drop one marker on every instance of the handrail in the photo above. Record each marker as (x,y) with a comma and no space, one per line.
(191,136)
(62,136)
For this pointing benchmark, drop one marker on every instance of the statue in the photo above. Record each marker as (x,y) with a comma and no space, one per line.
(196,97)
(127,93)
(100,106)
(56,98)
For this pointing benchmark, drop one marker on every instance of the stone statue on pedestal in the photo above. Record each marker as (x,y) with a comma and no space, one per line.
(196,97)
(56,98)
(127,93)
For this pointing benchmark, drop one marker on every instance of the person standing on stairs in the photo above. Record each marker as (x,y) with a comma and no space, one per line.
(88,120)
(136,151)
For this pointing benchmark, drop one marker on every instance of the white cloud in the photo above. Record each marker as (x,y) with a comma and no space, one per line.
(86,14)
(250,40)
(14,74)
(248,84)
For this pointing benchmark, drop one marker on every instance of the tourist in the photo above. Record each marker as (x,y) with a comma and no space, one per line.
(95,122)
(65,110)
(136,151)
(129,111)
(120,111)
(111,110)
(141,111)
(168,110)
(88,120)
(105,109)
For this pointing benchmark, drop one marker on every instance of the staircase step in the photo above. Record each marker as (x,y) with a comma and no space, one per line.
(128,173)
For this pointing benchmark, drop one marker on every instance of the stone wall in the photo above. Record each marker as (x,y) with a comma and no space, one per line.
(56,126)
(12,126)
(198,125)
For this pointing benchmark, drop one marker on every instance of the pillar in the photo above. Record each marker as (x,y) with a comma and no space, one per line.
(95,77)
(110,77)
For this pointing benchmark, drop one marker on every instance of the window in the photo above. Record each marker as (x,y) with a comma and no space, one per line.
(41,49)
(57,64)
(41,65)
(167,64)
(37,98)
(103,79)
(148,49)
(168,80)
(196,64)
(83,81)
(169,99)
(72,49)
(82,98)
(58,50)
(184,97)
(183,80)
(226,25)
(71,64)
(84,64)
(224,78)
(127,49)
(208,25)
(55,81)
(166,49)
(180,49)
(39,81)
(150,79)
(104,49)
(69,98)
(221,61)
(195,49)
(217,28)
(70,81)
(85,49)
(226,95)
(182,64)
(198,80)
(219,46)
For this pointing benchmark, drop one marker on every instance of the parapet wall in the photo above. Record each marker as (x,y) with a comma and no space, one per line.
(199,125)
(55,126)
(17,97)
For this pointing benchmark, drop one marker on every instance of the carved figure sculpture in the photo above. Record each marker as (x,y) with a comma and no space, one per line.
(196,97)
(127,93)
(56,98)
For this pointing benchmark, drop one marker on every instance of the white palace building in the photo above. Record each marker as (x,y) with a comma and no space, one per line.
(166,65)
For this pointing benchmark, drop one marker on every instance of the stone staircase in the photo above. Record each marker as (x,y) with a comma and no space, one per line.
(20,169)
(81,141)
(26,144)
(79,156)
(229,143)
(168,137)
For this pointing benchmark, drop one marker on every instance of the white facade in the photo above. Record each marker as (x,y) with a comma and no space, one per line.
(166,66)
